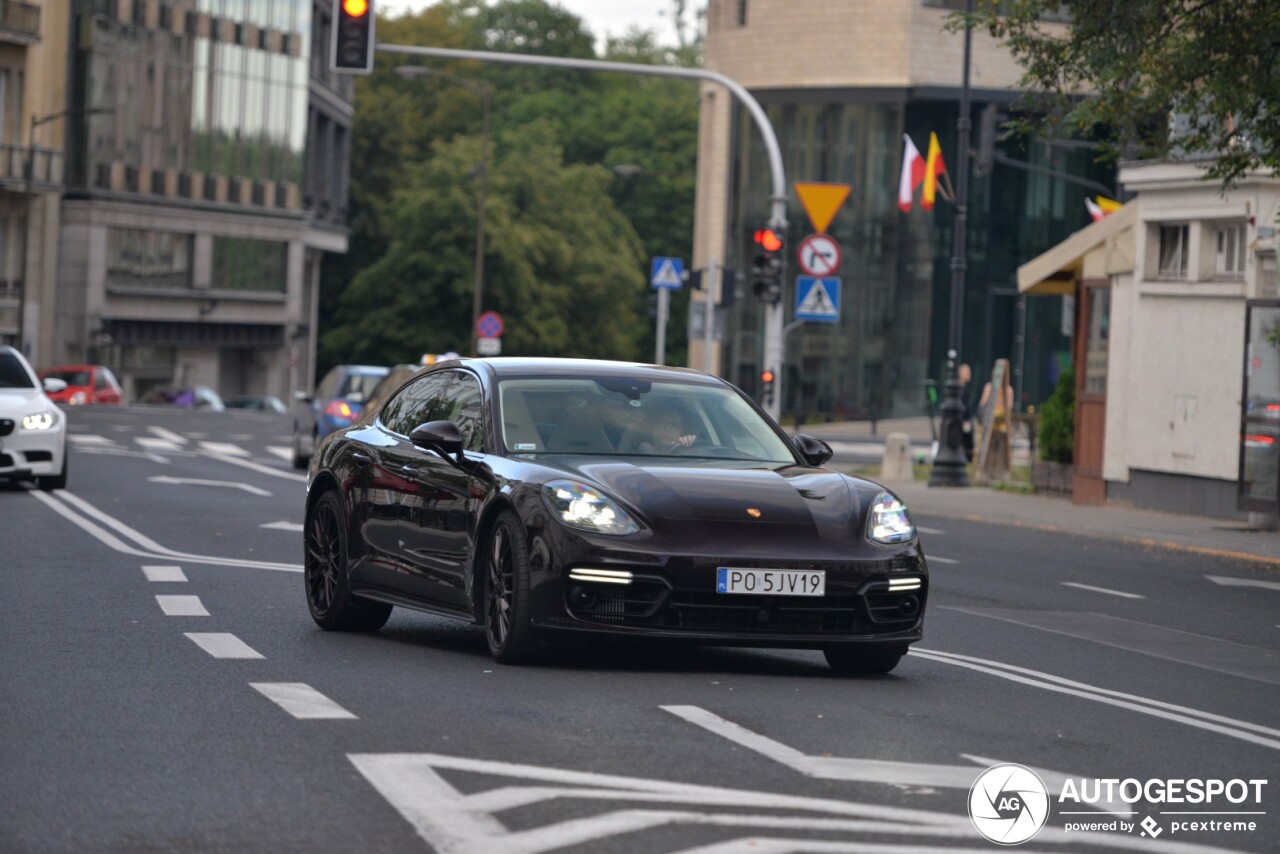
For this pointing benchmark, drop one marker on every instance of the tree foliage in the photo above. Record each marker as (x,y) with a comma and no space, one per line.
(1166,77)
(567,239)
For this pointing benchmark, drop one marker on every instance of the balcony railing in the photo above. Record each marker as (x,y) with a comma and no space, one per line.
(19,22)
(30,165)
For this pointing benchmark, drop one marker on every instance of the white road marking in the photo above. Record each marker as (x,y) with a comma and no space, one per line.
(301,700)
(295,527)
(152,443)
(171,436)
(1226,581)
(281,451)
(182,606)
(149,548)
(224,448)
(223,645)
(936,559)
(1230,727)
(191,481)
(89,439)
(164,573)
(931,531)
(258,467)
(1102,590)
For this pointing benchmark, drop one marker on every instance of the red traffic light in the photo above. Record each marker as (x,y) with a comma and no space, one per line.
(355,8)
(766,377)
(768,239)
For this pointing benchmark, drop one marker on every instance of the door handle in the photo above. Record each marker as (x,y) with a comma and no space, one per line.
(361,460)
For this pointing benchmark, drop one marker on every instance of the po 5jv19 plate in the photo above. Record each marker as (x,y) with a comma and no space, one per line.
(771,582)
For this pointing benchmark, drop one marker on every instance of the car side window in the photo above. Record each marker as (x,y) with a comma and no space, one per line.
(414,404)
(99,380)
(461,405)
(329,385)
(109,378)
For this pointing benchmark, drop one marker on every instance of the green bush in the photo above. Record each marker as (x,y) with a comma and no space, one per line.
(1058,421)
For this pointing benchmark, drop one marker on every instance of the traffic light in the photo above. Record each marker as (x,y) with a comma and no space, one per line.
(353,36)
(766,267)
(766,387)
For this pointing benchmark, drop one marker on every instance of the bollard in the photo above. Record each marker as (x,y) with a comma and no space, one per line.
(897,463)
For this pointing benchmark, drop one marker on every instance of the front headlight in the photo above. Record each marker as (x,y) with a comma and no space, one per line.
(888,522)
(581,506)
(39,421)
(78,398)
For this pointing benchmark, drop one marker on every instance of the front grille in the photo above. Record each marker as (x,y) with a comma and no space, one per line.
(617,604)
(764,614)
(6,426)
(887,609)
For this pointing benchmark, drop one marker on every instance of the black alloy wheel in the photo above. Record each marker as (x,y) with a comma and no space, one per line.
(507,625)
(864,660)
(325,573)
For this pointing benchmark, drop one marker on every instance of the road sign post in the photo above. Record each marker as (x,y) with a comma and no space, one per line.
(818,299)
(665,275)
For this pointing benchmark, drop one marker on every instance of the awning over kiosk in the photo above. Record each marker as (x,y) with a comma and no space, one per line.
(1104,248)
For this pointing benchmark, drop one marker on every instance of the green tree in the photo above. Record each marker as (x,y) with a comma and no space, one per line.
(1211,63)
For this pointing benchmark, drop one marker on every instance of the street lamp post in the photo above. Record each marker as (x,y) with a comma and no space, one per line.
(485,91)
(949,466)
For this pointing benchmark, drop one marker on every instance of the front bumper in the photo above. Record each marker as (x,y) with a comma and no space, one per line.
(674,596)
(31,453)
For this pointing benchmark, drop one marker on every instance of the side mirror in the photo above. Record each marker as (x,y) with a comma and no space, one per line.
(442,437)
(301,397)
(813,450)
(53,385)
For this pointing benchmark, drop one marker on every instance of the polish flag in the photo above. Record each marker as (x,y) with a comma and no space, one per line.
(912,174)
(933,168)
(1094,210)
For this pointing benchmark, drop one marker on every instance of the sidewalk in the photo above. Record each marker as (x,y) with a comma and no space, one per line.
(917,427)
(1203,535)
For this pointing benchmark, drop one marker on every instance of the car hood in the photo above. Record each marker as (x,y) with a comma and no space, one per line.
(715,501)
(16,402)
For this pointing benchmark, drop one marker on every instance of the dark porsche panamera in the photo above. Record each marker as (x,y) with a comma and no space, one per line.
(541,496)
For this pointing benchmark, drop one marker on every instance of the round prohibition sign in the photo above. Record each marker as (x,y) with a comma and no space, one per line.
(819,255)
(489,325)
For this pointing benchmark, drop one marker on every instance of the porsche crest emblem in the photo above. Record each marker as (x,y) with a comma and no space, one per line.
(753,512)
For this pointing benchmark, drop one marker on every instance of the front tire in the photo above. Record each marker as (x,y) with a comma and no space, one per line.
(300,460)
(325,574)
(864,661)
(57,481)
(507,624)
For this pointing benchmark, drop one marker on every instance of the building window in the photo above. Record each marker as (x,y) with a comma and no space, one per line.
(249,265)
(1231,250)
(137,258)
(742,13)
(1173,251)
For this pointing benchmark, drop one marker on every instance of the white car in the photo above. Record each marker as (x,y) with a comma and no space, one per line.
(33,431)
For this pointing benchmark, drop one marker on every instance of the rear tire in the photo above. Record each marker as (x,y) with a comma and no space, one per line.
(325,573)
(508,626)
(300,460)
(864,661)
(57,481)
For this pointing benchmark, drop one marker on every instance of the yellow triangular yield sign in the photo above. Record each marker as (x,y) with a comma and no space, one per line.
(821,201)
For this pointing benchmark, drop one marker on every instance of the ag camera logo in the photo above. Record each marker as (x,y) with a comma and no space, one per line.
(1008,804)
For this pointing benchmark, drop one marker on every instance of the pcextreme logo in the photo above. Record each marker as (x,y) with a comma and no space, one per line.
(1008,804)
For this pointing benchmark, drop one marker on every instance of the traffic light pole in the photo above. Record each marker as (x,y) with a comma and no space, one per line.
(773,350)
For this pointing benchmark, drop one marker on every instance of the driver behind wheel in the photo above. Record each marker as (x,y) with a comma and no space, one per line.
(666,430)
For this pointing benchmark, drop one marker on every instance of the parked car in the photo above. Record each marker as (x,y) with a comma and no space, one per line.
(336,402)
(539,496)
(196,397)
(87,385)
(33,431)
(392,381)
(258,403)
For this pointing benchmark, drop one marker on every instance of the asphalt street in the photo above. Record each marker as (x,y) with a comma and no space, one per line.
(163,688)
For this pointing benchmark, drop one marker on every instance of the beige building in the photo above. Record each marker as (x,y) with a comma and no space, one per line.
(842,83)
(1162,289)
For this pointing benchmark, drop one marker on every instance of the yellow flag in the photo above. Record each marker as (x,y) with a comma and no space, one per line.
(1108,205)
(934,167)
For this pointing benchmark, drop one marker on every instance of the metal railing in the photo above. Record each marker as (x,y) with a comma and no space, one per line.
(22,18)
(36,165)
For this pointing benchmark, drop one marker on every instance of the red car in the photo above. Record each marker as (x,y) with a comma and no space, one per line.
(86,384)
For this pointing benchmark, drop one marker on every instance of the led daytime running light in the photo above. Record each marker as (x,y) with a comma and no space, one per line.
(39,421)
(604,576)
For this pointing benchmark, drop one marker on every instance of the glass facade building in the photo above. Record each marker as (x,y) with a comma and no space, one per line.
(892,331)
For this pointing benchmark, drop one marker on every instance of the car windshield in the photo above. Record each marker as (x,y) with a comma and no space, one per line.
(13,374)
(623,416)
(70,377)
(359,386)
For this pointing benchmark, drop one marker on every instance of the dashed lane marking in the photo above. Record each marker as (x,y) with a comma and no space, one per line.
(89,439)
(191,481)
(1109,592)
(281,451)
(223,645)
(295,527)
(224,448)
(933,532)
(152,443)
(182,606)
(258,467)
(936,559)
(301,700)
(1227,581)
(169,435)
(164,573)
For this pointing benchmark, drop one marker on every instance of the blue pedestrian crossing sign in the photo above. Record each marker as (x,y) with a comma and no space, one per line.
(818,299)
(666,273)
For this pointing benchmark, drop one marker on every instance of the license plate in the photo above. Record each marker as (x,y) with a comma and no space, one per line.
(771,582)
